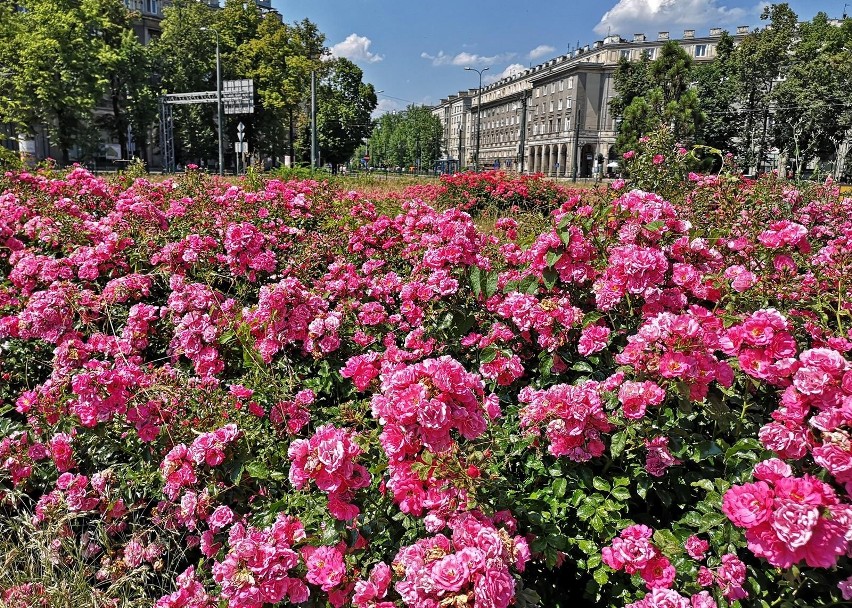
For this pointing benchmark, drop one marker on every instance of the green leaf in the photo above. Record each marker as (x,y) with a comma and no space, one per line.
(560,486)
(586,510)
(489,353)
(601,576)
(476,280)
(582,366)
(621,494)
(491,280)
(550,277)
(618,443)
(599,483)
(257,470)
(528,285)
(552,257)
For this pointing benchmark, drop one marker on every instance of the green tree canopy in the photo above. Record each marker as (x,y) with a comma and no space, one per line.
(411,138)
(61,57)
(659,93)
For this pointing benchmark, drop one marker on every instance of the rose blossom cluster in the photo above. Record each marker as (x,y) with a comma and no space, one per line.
(286,314)
(200,316)
(471,567)
(571,417)
(328,459)
(634,552)
(247,250)
(419,407)
(815,413)
(729,577)
(549,319)
(209,448)
(669,598)
(764,346)
(790,519)
(259,566)
(680,348)
(632,269)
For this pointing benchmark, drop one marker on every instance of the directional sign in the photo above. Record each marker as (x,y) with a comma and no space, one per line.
(241,128)
(238,96)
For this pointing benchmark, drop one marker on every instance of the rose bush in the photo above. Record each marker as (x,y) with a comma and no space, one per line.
(218,396)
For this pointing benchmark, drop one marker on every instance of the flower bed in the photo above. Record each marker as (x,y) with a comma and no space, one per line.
(216,397)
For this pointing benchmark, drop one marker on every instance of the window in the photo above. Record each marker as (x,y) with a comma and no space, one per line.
(559,105)
(625,53)
(571,83)
(652,53)
(561,85)
(550,127)
(552,87)
(567,124)
(701,50)
(551,105)
(558,125)
(537,91)
(568,103)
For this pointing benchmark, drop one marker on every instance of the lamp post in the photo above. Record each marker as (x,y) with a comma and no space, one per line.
(219,101)
(478,115)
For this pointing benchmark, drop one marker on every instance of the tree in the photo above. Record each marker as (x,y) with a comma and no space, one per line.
(343,114)
(668,99)
(184,58)
(756,65)
(631,81)
(813,118)
(411,138)
(717,92)
(128,71)
(57,72)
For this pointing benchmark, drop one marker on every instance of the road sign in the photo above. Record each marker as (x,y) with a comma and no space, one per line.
(241,147)
(241,128)
(238,96)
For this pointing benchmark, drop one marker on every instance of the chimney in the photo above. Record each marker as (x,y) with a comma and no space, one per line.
(715,31)
(663,36)
(742,29)
(638,37)
(688,34)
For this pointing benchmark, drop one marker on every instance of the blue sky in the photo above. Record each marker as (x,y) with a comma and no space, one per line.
(416,51)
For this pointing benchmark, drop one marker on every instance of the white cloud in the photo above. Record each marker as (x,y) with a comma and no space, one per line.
(510,70)
(464,59)
(356,48)
(630,16)
(542,50)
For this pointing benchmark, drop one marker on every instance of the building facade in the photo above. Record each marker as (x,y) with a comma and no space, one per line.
(554,118)
(454,114)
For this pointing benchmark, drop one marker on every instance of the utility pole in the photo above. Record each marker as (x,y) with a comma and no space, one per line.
(478,115)
(522,146)
(577,139)
(219,101)
(314,159)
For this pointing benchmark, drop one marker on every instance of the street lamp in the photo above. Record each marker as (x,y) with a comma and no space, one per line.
(478,114)
(219,101)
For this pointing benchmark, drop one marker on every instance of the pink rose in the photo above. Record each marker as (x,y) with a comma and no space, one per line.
(748,505)
(450,573)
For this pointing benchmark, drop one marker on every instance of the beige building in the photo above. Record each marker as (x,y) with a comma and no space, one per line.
(454,114)
(554,118)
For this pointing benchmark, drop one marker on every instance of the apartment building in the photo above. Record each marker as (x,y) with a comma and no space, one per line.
(554,118)
(454,114)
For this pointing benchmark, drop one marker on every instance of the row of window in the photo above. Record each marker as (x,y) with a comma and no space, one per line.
(561,85)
